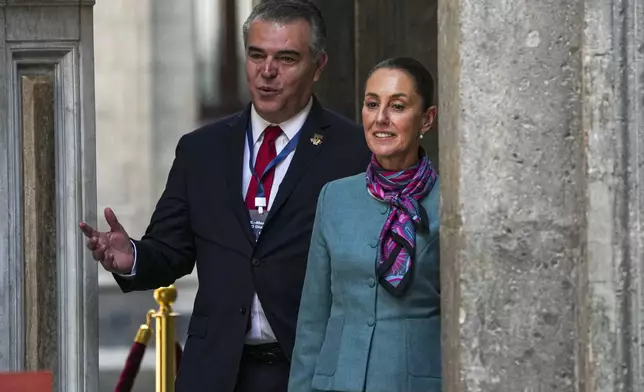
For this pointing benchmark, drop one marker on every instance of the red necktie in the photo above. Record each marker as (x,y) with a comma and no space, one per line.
(265,155)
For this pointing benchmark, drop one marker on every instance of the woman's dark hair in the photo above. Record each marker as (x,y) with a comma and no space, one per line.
(423,81)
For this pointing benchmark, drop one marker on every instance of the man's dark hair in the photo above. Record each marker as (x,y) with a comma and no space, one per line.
(423,80)
(287,11)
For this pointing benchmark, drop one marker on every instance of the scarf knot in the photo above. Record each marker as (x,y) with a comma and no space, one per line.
(402,190)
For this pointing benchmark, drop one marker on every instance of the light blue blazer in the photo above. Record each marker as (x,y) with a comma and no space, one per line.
(352,335)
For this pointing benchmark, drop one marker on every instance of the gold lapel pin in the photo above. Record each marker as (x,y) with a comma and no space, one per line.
(316,140)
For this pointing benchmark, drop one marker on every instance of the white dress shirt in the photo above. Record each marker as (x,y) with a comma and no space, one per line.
(261,332)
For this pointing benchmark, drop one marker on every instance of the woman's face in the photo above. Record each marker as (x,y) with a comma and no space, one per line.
(393,118)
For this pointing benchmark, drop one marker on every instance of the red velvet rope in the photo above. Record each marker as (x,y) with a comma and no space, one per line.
(133,365)
(131,369)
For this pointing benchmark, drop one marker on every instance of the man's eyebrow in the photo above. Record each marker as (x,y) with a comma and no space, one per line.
(286,52)
(289,52)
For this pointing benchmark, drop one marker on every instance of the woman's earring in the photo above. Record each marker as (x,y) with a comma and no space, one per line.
(421,135)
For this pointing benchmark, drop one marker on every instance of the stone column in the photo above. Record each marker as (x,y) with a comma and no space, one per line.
(541,132)
(48,301)
(611,316)
(124,111)
(173,90)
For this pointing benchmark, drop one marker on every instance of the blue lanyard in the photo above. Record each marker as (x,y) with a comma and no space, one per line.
(289,148)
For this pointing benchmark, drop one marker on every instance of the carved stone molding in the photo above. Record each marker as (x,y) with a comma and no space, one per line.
(612,279)
(48,309)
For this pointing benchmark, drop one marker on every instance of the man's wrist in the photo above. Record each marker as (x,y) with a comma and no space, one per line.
(132,272)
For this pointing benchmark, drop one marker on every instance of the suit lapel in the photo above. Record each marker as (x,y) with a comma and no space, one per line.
(312,140)
(235,156)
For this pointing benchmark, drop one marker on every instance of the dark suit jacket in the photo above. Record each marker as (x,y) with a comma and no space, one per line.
(201,217)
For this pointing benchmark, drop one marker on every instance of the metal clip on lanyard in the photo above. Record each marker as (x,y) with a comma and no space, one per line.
(260,197)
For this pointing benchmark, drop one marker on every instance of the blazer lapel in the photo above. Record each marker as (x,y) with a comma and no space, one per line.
(312,141)
(236,140)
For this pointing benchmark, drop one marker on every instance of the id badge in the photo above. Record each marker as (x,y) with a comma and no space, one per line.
(257,222)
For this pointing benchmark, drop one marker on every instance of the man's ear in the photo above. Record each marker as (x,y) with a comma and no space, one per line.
(321,64)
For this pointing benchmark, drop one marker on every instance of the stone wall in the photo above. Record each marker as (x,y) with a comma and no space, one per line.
(541,129)
(146,99)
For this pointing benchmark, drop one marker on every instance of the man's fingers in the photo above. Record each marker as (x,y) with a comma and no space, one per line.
(99,254)
(108,263)
(114,224)
(87,229)
(92,244)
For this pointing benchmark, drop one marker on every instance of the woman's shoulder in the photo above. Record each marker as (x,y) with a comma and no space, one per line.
(431,203)
(432,200)
(347,186)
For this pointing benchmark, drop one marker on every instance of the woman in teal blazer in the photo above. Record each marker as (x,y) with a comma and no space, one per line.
(370,312)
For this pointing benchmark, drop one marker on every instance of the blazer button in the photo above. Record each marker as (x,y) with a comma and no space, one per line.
(371,322)
(242,310)
(255,262)
(371,282)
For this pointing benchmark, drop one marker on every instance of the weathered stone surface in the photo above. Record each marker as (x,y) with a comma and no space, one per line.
(612,302)
(124,112)
(38,23)
(541,131)
(6,226)
(48,296)
(39,222)
(173,86)
(511,156)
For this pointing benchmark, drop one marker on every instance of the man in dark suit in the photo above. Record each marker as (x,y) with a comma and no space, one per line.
(257,171)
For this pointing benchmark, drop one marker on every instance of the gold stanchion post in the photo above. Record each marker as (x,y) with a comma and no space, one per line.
(166,356)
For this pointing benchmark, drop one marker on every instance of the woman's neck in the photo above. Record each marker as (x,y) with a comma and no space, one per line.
(398,163)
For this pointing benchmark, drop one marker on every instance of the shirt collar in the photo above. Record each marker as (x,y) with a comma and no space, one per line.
(290,127)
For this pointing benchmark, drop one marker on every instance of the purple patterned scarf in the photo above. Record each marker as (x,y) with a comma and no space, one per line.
(401,190)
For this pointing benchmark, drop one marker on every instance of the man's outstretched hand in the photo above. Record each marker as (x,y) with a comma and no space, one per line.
(112,249)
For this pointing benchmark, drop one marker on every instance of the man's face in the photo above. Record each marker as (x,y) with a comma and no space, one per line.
(280,68)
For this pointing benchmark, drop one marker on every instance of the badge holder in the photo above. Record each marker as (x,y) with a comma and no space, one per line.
(260,203)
